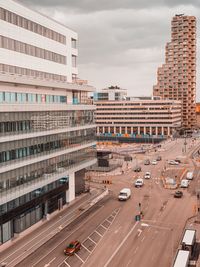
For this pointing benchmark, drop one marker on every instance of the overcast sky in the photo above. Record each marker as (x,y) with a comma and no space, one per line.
(121,42)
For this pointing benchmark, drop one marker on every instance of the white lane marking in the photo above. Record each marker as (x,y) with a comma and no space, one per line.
(65,263)
(143,239)
(135,250)
(117,230)
(121,244)
(91,240)
(107,221)
(39,235)
(79,258)
(49,263)
(103,226)
(67,237)
(128,263)
(98,233)
(139,232)
(86,248)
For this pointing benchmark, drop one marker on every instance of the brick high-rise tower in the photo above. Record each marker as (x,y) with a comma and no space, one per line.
(176,79)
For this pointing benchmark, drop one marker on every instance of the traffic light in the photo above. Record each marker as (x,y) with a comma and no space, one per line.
(137,217)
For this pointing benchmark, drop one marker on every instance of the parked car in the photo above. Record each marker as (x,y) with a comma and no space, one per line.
(173,162)
(178,160)
(72,248)
(159,158)
(147,175)
(178,194)
(137,169)
(154,162)
(147,162)
(139,182)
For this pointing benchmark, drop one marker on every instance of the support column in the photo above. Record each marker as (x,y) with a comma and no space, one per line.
(108,129)
(150,130)
(138,129)
(114,129)
(120,129)
(156,131)
(168,131)
(70,193)
(144,130)
(131,130)
(162,130)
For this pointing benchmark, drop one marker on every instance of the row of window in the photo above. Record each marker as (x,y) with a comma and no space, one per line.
(39,121)
(31,50)
(44,147)
(32,73)
(11,97)
(31,26)
(63,162)
(133,122)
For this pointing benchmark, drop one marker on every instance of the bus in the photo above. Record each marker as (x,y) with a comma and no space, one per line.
(182,258)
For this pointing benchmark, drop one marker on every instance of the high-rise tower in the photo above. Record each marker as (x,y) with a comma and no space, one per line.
(176,79)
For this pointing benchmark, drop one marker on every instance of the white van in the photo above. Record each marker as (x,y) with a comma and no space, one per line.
(124,194)
(189,175)
(184,183)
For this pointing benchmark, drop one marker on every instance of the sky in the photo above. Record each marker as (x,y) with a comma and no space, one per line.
(121,42)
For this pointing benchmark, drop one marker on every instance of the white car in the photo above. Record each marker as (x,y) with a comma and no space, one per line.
(173,162)
(154,162)
(139,182)
(147,175)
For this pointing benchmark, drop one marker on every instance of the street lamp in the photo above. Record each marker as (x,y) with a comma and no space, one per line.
(162,228)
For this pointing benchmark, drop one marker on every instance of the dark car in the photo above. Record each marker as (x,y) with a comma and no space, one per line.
(72,248)
(137,169)
(159,158)
(178,160)
(147,162)
(178,194)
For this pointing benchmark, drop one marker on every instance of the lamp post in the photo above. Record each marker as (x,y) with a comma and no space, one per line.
(163,228)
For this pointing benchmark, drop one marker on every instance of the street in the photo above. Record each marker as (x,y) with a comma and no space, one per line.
(109,234)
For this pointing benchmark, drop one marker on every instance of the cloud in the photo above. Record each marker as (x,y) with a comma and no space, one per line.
(120,42)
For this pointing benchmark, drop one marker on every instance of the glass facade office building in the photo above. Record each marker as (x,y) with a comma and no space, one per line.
(47,129)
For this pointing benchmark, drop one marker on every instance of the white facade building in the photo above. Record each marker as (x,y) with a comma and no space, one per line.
(47,129)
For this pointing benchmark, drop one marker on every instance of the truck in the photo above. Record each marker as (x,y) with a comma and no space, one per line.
(124,194)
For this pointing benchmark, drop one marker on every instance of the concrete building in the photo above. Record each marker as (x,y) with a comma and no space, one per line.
(47,130)
(198,114)
(176,79)
(137,118)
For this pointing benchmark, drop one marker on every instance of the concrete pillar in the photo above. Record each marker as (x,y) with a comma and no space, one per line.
(103,129)
(156,130)
(150,130)
(144,130)
(138,129)
(162,130)
(120,130)
(114,129)
(168,131)
(131,130)
(70,193)
(108,129)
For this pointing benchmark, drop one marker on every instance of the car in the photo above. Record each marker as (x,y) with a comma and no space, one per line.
(137,169)
(159,158)
(139,182)
(147,162)
(147,175)
(154,162)
(178,160)
(178,194)
(173,162)
(72,248)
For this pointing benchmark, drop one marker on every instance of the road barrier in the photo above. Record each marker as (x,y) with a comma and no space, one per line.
(106,182)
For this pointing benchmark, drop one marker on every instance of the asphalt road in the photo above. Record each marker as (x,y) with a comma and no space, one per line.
(108,231)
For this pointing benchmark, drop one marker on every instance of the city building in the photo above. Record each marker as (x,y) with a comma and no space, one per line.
(176,79)
(47,129)
(134,118)
(198,114)
(111,93)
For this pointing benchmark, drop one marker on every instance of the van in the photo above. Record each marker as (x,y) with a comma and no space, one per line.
(189,175)
(124,194)
(184,183)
